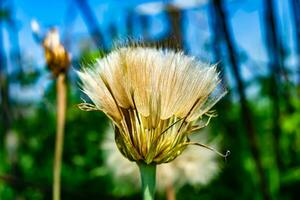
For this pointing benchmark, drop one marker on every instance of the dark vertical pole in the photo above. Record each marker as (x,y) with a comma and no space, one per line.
(216,44)
(275,65)
(144,19)
(176,22)
(295,6)
(15,51)
(5,114)
(70,16)
(245,111)
(130,23)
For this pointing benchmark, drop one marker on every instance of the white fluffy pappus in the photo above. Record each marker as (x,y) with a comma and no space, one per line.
(154,98)
(194,166)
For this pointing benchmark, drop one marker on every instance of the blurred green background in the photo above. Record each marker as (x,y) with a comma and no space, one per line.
(255,42)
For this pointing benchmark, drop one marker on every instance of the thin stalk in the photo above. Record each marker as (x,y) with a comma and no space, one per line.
(148,176)
(59,141)
(171,192)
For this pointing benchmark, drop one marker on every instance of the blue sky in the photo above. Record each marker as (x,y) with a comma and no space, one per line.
(245,20)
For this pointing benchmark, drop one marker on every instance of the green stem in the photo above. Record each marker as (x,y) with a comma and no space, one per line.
(148,176)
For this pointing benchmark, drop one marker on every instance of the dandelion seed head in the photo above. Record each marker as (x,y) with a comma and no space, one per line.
(154,98)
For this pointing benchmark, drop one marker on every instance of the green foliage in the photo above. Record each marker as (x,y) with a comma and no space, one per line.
(85,177)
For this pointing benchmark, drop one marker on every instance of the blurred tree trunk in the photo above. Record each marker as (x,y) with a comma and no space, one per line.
(144,19)
(295,6)
(91,23)
(130,23)
(216,44)
(69,19)
(174,40)
(222,21)
(5,113)
(9,137)
(276,69)
(175,16)
(13,28)
(15,53)
(113,31)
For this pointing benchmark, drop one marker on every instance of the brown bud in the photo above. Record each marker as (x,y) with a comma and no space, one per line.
(56,56)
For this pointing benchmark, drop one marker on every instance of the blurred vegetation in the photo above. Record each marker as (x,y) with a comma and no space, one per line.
(262,131)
